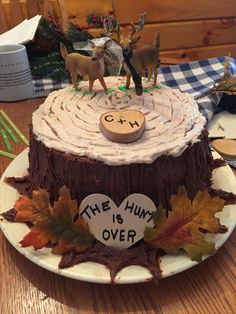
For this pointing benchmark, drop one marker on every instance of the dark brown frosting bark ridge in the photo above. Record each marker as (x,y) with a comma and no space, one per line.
(51,169)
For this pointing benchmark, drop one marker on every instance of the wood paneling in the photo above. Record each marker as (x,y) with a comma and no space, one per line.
(16,10)
(169,10)
(3,25)
(79,10)
(201,52)
(185,25)
(33,8)
(186,34)
(46,8)
(26,9)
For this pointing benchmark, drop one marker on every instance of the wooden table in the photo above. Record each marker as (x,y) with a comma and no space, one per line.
(25,288)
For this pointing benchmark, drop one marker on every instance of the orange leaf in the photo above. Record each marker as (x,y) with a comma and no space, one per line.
(23,208)
(183,228)
(36,238)
(65,206)
(29,209)
(55,225)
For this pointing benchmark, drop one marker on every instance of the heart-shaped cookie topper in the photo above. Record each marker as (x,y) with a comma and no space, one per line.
(118,227)
(122,126)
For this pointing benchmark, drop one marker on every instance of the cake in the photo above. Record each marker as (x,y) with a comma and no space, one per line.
(109,200)
(68,148)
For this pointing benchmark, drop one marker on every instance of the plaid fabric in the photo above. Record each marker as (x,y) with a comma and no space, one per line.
(195,78)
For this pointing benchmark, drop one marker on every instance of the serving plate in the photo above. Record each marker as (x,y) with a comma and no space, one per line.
(223,178)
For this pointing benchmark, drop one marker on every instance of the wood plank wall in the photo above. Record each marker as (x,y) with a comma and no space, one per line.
(189,29)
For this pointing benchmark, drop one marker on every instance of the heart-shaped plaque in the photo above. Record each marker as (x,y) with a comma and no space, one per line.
(122,126)
(118,227)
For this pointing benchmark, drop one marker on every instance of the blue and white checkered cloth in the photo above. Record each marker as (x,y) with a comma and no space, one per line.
(195,78)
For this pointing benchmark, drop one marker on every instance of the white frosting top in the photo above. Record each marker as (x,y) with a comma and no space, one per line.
(69,122)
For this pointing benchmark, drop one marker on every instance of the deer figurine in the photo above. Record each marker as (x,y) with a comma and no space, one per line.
(93,66)
(137,60)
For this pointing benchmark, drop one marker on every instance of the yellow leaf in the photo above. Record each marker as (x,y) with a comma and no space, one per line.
(184,227)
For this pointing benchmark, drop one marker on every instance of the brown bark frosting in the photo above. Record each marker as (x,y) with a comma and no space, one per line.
(51,169)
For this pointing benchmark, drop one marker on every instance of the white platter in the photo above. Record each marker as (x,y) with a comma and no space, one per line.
(223,178)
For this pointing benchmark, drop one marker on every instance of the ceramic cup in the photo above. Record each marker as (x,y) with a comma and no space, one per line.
(15,74)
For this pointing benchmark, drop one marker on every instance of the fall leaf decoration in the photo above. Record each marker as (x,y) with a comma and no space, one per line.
(53,224)
(187,224)
(226,84)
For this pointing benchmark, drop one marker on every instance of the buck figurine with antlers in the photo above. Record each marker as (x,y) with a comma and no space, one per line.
(93,66)
(136,60)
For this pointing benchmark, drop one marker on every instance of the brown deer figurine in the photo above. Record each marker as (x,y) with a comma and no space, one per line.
(143,58)
(93,66)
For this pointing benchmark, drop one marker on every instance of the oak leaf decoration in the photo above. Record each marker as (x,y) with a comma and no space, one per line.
(187,224)
(57,225)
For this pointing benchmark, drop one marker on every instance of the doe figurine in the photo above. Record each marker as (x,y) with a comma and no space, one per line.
(93,66)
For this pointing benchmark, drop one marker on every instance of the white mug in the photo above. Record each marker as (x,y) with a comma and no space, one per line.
(15,74)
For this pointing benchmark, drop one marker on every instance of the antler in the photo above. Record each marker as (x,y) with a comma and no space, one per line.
(109,27)
(140,26)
